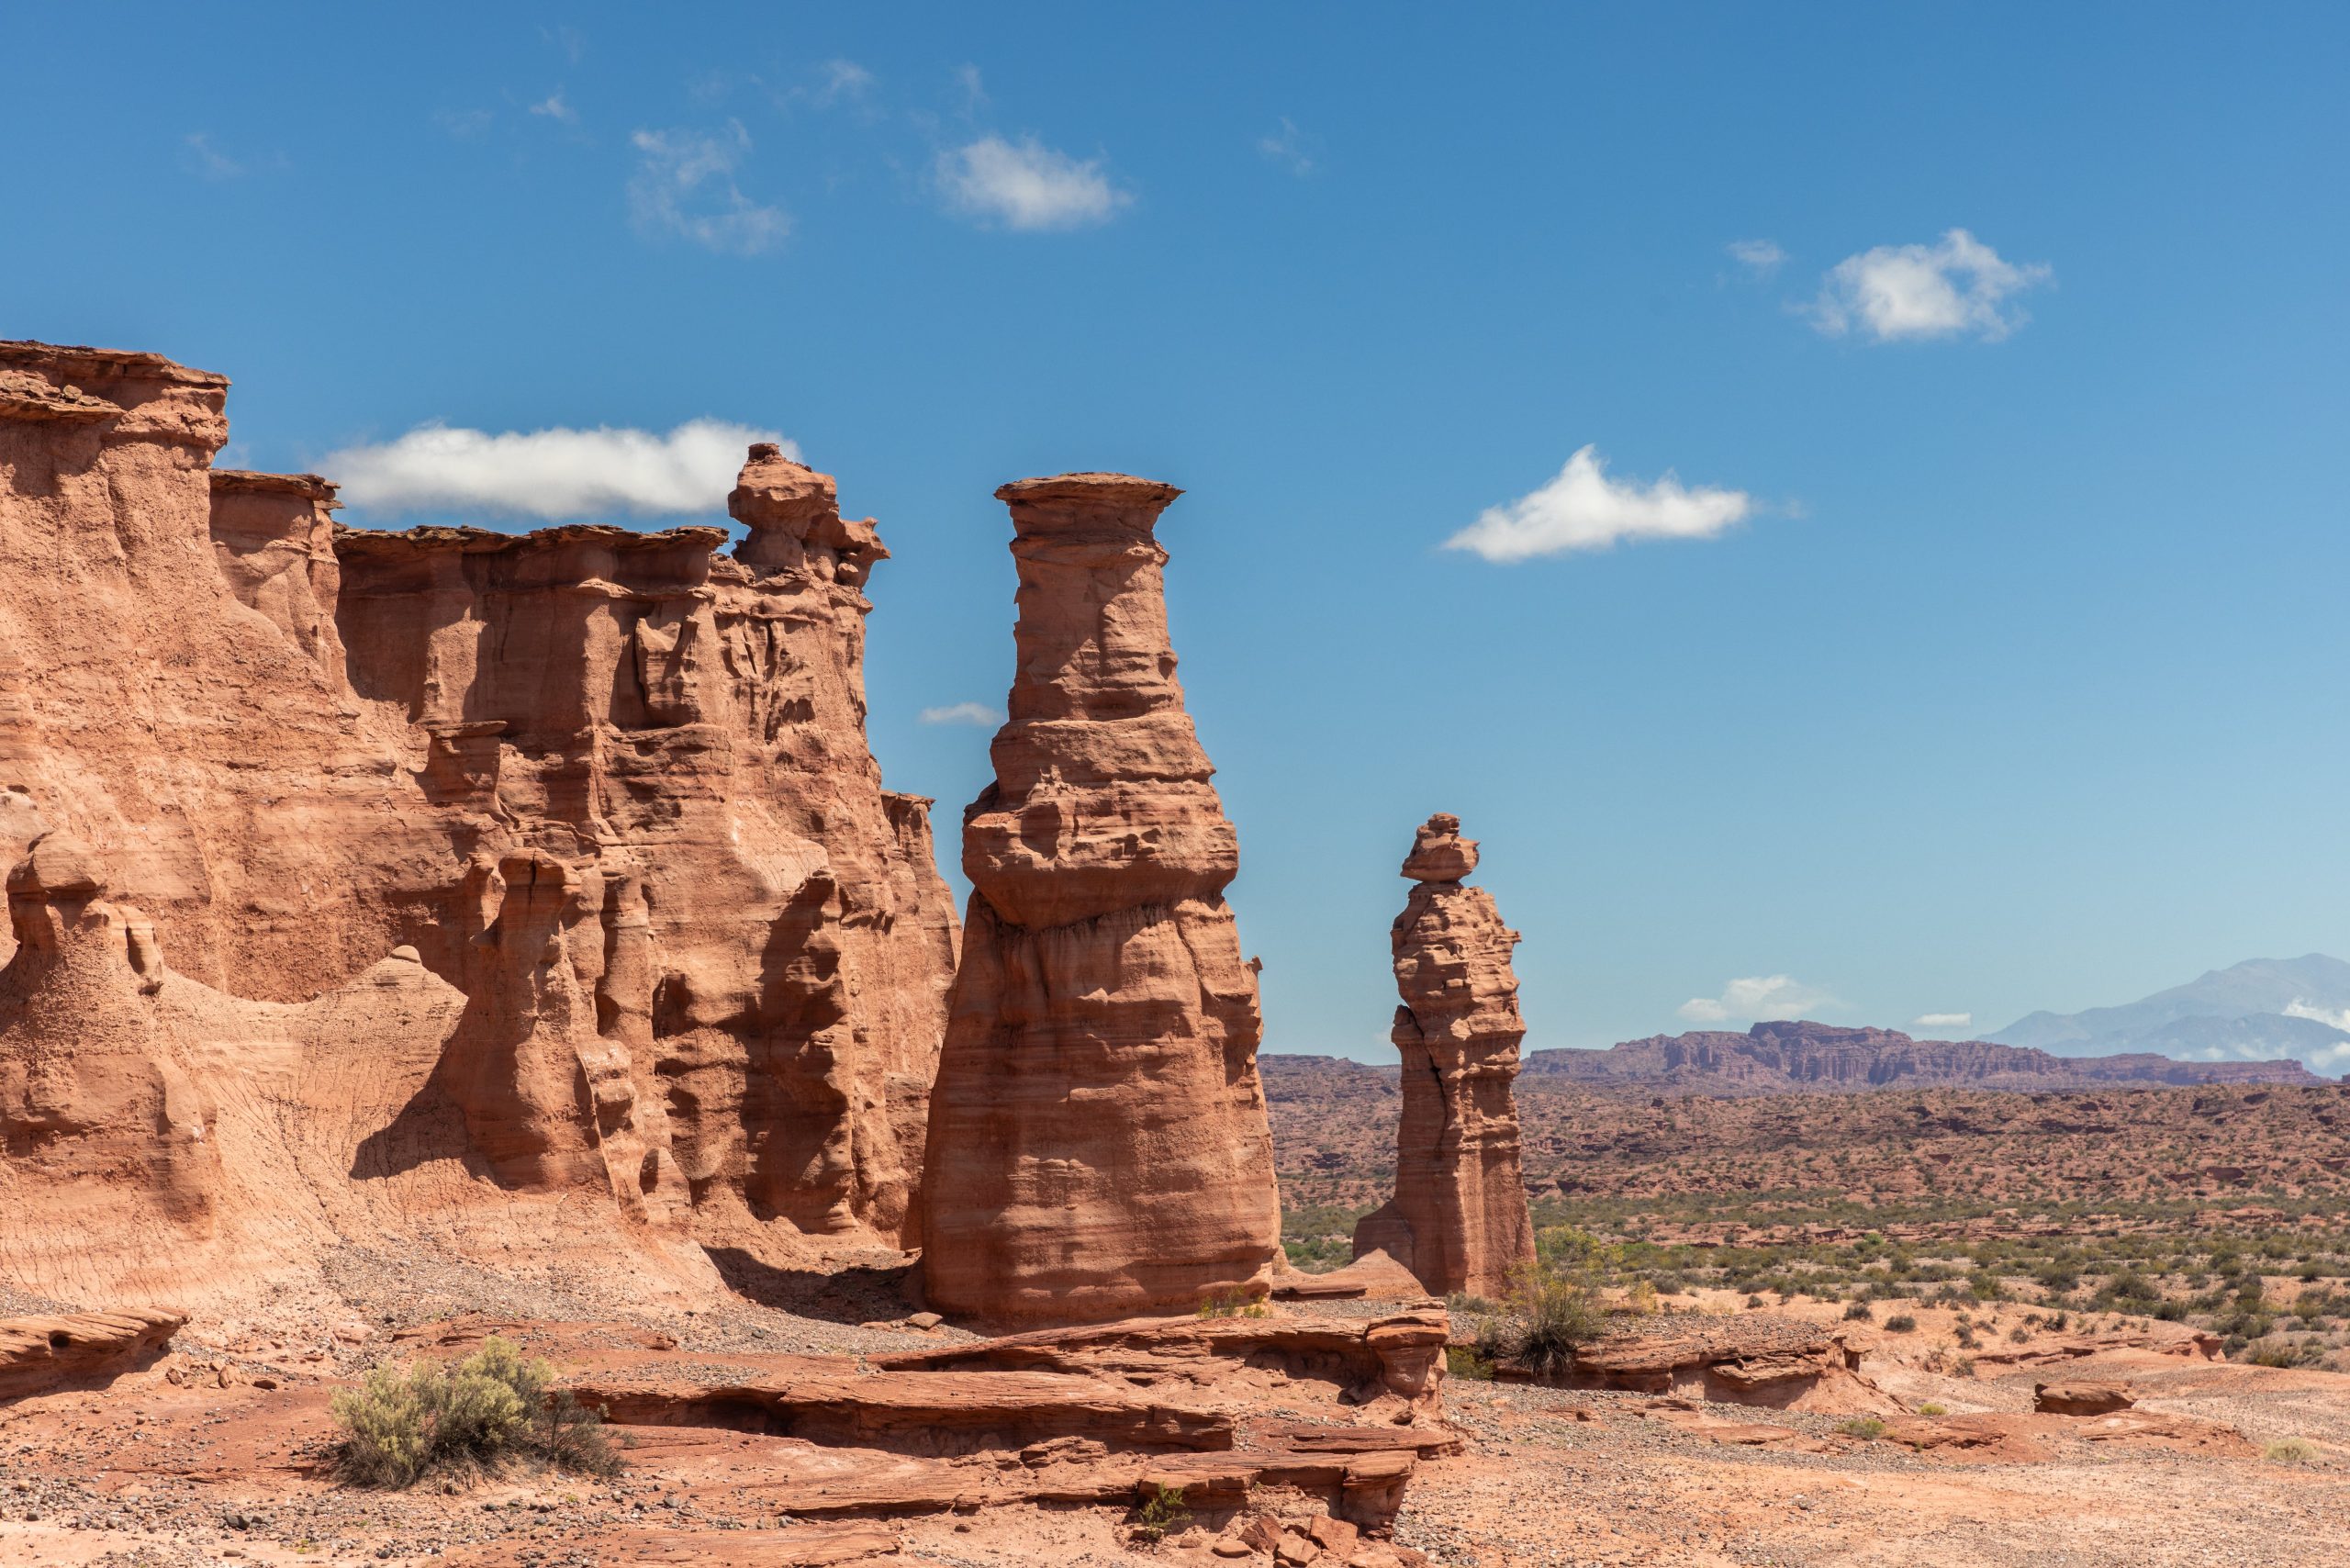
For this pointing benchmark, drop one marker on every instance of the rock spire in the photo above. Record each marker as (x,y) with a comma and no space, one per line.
(1458,1217)
(1098,1141)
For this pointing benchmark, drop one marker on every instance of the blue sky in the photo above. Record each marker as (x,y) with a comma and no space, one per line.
(1999,665)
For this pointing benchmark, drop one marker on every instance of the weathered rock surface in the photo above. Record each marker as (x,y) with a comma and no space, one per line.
(1098,1144)
(38,1354)
(1459,1219)
(1777,1363)
(1782,1057)
(668,964)
(2079,1397)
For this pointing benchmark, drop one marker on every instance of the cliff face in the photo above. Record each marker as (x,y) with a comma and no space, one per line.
(1774,1057)
(673,948)
(1098,1142)
(1459,1218)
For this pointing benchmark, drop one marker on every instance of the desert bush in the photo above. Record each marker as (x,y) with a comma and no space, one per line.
(1160,1512)
(2291,1450)
(463,1418)
(1858,1312)
(1467,1361)
(1557,1312)
(1931,1409)
(1901,1323)
(1866,1427)
(1233,1303)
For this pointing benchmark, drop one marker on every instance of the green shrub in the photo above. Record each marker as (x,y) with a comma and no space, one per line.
(1866,1427)
(1233,1303)
(1931,1409)
(1463,1362)
(1901,1323)
(1858,1312)
(2291,1450)
(1160,1512)
(465,1418)
(1558,1313)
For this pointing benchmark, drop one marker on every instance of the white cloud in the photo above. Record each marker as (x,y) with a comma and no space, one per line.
(1960,286)
(463,124)
(554,109)
(1583,509)
(550,473)
(1943,1020)
(1762,255)
(684,184)
(210,161)
(1028,186)
(963,713)
(1755,998)
(843,79)
(1287,147)
(975,90)
(2338,1019)
(2331,1057)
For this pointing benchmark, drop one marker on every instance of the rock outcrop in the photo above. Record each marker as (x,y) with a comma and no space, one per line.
(1098,1142)
(1782,1057)
(667,965)
(38,1354)
(1459,1218)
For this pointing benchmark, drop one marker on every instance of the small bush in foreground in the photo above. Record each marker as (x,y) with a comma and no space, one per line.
(1463,1362)
(1859,1312)
(1560,1313)
(1164,1512)
(1931,1409)
(2290,1451)
(465,1417)
(1866,1427)
(1901,1323)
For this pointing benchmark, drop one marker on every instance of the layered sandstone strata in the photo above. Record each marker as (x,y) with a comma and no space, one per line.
(1098,1142)
(664,950)
(1459,1218)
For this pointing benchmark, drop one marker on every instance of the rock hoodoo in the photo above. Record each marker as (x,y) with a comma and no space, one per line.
(662,949)
(1459,1218)
(1098,1140)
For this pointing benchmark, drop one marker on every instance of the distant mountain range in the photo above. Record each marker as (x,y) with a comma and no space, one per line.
(1793,1056)
(2263,1007)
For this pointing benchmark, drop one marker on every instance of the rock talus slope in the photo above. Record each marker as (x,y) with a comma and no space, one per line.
(662,951)
(1098,1141)
(1459,1219)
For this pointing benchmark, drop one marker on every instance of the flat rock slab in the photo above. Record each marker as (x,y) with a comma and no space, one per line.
(38,1354)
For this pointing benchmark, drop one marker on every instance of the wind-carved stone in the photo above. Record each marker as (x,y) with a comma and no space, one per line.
(1098,1141)
(1459,1218)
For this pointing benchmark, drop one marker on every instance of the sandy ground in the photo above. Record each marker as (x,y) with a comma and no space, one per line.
(216,1471)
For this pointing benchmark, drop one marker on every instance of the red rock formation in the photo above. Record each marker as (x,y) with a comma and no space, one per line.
(664,941)
(1098,1143)
(1459,1218)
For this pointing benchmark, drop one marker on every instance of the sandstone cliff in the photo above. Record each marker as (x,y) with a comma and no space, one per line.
(1098,1143)
(1459,1218)
(668,954)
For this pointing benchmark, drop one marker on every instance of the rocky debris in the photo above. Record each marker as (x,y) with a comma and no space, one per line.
(2081,1398)
(1098,1144)
(664,951)
(1459,1219)
(1776,1362)
(38,1354)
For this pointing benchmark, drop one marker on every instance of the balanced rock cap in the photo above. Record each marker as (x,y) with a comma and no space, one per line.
(1438,852)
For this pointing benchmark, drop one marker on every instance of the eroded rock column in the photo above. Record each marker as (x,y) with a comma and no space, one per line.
(1098,1142)
(1459,1218)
